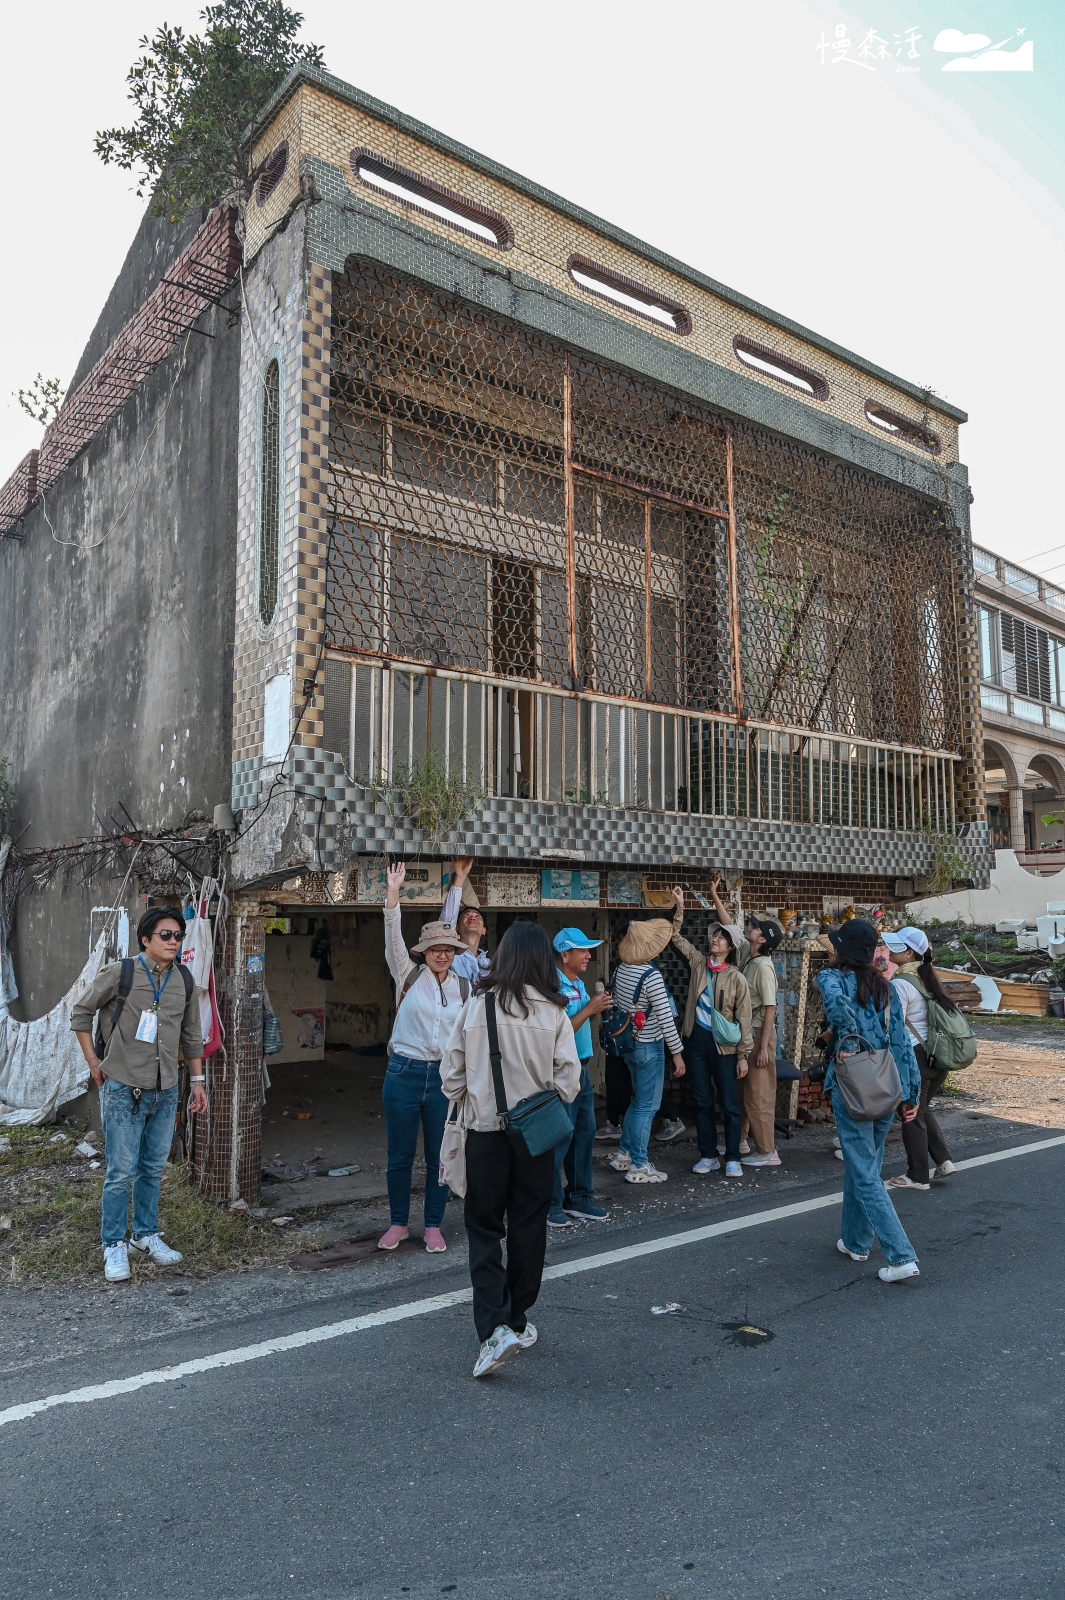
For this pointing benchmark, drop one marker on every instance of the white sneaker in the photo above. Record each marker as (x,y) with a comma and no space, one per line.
(908,1269)
(770,1160)
(621,1161)
(645,1174)
(527,1337)
(745,1148)
(116,1262)
(670,1130)
(842,1248)
(733,1169)
(707,1164)
(945,1169)
(152,1245)
(499,1348)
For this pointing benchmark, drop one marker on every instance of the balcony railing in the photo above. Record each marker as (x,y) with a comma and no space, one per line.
(505,739)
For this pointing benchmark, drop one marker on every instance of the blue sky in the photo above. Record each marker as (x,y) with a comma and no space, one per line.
(915,216)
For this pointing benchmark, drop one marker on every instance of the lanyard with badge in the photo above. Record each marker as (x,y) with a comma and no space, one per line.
(148,1026)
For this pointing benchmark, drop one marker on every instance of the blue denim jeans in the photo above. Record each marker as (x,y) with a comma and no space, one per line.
(576,1154)
(413,1099)
(867,1212)
(647,1069)
(137,1139)
(713,1078)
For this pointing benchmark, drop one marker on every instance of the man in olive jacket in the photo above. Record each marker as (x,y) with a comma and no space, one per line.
(138,1082)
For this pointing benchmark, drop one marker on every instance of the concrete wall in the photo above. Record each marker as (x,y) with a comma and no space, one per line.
(1013,893)
(116,662)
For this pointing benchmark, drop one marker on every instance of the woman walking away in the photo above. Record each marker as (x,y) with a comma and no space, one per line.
(857,998)
(639,989)
(508,1191)
(428,998)
(717,1055)
(915,985)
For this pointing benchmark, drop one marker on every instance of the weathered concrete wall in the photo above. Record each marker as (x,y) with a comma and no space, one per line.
(116,661)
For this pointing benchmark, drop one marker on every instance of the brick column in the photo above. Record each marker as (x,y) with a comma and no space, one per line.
(227,1142)
(1017,839)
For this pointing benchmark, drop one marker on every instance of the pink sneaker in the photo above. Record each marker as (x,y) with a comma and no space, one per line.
(395,1236)
(435,1242)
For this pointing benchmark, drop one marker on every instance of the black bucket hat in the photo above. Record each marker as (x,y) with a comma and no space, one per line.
(855,941)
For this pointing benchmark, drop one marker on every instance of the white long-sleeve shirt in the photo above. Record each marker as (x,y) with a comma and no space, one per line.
(914,1007)
(428,1010)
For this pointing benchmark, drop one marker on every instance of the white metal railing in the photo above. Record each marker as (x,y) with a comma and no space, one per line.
(533,741)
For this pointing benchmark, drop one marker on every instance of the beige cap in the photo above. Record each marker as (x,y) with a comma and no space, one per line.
(436,933)
(644,940)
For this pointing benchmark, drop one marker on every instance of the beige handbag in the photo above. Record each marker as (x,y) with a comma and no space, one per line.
(453,1147)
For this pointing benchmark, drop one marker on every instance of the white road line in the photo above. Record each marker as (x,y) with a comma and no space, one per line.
(441,1302)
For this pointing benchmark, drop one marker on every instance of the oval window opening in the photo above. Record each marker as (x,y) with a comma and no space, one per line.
(433,200)
(773,365)
(272,172)
(630,295)
(269,493)
(902,427)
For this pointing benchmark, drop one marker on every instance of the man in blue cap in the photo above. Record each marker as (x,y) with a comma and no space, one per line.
(574,951)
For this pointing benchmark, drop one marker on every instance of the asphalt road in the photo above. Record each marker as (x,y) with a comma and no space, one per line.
(903,1441)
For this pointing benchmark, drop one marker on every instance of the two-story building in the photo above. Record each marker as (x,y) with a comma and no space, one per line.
(1022,698)
(473,525)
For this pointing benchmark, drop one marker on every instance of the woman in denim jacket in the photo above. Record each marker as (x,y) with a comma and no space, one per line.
(867,1211)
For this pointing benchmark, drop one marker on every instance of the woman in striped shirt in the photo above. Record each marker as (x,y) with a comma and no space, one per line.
(639,985)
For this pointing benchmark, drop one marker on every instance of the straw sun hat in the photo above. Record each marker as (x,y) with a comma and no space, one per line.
(644,940)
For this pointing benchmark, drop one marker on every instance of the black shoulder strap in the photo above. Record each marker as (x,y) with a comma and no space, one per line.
(494,1053)
(464,988)
(639,987)
(186,978)
(125,984)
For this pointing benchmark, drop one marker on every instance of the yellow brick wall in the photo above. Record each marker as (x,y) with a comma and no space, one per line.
(316,124)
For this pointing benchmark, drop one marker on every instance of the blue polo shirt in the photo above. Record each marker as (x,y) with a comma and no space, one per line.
(576,997)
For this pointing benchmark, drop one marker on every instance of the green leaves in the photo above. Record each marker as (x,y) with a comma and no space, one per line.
(195,95)
(42,399)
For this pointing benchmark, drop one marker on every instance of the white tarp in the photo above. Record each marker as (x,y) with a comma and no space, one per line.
(41,1064)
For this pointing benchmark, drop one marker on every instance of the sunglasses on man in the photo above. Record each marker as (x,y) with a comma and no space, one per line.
(169,934)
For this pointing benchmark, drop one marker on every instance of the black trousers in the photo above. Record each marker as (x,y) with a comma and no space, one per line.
(506,1197)
(923,1137)
(619,1093)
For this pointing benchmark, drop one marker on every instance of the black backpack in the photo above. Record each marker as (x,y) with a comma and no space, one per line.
(125,984)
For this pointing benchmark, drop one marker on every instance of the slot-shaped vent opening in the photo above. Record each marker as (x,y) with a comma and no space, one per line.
(903,427)
(632,296)
(273,170)
(773,365)
(468,216)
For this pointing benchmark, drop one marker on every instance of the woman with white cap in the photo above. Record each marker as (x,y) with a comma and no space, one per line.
(428,999)
(916,984)
(639,989)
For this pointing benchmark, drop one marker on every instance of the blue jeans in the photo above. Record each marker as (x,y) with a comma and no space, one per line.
(576,1153)
(413,1098)
(137,1139)
(867,1211)
(647,1069)
(713,1077)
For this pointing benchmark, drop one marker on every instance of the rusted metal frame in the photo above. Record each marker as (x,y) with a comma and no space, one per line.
(733,580)
(636,487)
(789,644)
(571,536)
(647,591)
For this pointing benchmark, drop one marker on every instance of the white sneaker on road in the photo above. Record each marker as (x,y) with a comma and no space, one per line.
(116,1262)
(497,1350)
(645,1174)
(842,1248)
(945,1169)
(621,1161)
(907,1269)
(152,1245)
(733,1169)
(707,1164)
(770,1160)
(527,1337)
